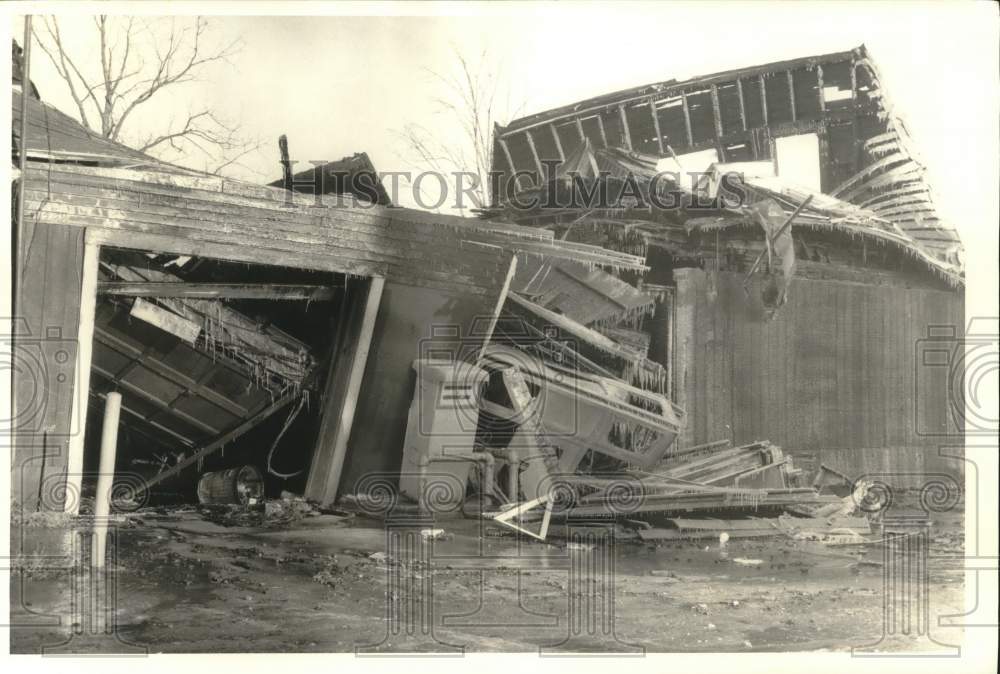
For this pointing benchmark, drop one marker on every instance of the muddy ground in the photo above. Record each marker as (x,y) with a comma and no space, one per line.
(327,584)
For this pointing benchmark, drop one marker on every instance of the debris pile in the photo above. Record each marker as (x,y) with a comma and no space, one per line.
(579,448)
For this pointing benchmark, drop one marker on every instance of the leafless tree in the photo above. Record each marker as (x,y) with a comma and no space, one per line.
(140,60)
(474,100)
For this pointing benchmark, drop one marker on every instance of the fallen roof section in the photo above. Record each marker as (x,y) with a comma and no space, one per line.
(868,160)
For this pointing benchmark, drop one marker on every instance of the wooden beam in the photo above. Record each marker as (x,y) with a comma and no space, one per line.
(743,110)
(687,118)
(559,147)
(498,307)
(656,124)
(344,378)
(763,99)
(717,114)
(228,291)
(856,136)
(510,160)
(600,129)
(791,93)
(854,80)
(624,118)
(286,162)
(81,386)
(819,88)
(579,129)
(218,442)
(534,155)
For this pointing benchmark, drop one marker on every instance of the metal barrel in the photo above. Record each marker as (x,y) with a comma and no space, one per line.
(243,485)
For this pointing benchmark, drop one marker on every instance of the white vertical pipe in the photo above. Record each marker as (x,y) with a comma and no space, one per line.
(106,476)
(81,387)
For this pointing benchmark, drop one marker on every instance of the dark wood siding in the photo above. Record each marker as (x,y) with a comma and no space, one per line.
(47,314)
(837,373)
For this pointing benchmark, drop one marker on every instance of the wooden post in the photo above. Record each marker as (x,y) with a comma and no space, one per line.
(763,100)
(791,94)
(559,147)
(687,119)
(624,118)
(600,129)
(716,115)
(286,162)
(488,337)
(81,387)
(743,108)
(534,155)
(340,398)
(819,89)
(656,124)
(105,477)
(22,163)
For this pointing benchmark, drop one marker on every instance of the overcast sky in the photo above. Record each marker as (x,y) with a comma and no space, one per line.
(339,85)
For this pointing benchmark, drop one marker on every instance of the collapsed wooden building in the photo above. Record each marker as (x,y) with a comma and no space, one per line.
(257,324)
(824,357)
(217,307)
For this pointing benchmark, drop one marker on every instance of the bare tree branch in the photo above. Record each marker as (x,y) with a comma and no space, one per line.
(468,98)
(137,63)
